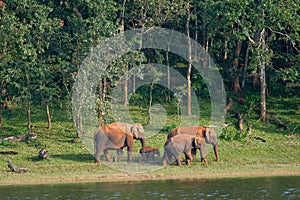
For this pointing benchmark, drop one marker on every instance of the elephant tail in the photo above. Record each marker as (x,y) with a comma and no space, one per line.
(98,137)
(167,157)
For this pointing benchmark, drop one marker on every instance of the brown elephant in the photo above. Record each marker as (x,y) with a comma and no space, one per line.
(147,153)
(206,132)
(116,136)
(179,144)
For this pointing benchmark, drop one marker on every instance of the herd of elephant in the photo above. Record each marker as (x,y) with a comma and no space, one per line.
(182,140)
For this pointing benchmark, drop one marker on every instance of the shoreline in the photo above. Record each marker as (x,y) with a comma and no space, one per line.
(128,177)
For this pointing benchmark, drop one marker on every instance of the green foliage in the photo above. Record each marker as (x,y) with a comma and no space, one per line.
(5,143)
(230,133)
(168,128)
(44,43)
(252,102)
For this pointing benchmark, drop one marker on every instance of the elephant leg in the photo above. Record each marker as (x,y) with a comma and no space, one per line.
(194,152)
(149,156)
(129,141)
(97,155)
(178,160)
(120,154)
(152,156)
(164,161)
(188,157)
(129,156)
(167,158)
(143,155)
(107,157)
(98,151)
(202,153)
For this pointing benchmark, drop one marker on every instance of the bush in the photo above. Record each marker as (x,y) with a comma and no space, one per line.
(230,133)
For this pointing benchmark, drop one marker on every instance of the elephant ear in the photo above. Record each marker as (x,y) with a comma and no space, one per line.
(140,130)
(198,142)
(206,134)
(133,130)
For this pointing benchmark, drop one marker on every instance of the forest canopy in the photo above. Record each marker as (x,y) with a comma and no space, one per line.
(254,43)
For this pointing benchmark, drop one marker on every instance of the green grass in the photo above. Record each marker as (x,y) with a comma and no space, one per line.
(240,153)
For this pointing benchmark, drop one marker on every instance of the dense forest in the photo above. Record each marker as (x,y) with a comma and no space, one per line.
(254,43)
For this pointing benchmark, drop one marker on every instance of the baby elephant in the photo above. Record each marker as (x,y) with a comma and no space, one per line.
(179,144)
(148,153)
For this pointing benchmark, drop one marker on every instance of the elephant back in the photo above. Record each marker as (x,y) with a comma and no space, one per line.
(188,130)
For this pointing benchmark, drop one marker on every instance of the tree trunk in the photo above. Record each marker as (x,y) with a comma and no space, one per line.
(48,117)
(133,83)
(204,56)
(78,123)
(225,50)
(245,67)
(236,85)
(3,93)
(168,72)
(29,119)
(126,86)
(189,106)
(0,119)
(240,121)
(122,28)
(228,106)
(263,88)
(196,30)
(263,85)
(102,92)
(150,104)
(236,79)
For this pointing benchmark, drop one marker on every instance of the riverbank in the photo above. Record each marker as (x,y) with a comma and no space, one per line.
(103,174)
(70,162)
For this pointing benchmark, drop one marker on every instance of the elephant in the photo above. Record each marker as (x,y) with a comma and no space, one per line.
(206,132)
(148,153)
(116,136)
(179,144)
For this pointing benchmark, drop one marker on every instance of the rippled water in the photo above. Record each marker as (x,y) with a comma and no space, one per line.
(225,188)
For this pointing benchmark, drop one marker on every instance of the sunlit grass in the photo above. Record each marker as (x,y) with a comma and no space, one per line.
(71,161)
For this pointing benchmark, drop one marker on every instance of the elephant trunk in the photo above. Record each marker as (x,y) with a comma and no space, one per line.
(216,151)
(143,142)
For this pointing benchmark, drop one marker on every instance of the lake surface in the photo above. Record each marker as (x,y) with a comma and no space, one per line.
(225,188)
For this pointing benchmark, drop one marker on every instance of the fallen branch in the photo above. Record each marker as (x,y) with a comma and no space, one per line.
(13,169)
(8,152)
(19,138)
(277,121)
(241,100)
(259,138)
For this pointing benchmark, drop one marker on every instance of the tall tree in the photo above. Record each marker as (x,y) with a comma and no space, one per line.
(189,71)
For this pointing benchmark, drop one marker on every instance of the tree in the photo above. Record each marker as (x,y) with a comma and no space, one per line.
(189,71)
(262,16)
(29,28)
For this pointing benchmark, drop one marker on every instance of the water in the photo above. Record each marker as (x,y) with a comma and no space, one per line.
(226,188)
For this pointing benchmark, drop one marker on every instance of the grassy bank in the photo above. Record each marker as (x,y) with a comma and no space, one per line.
(240,153)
